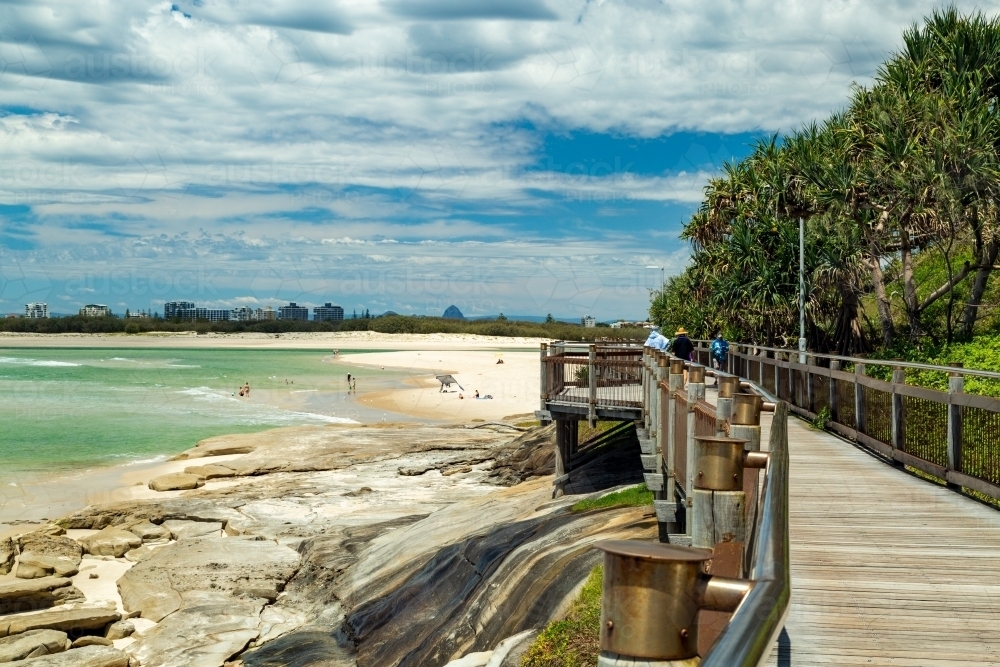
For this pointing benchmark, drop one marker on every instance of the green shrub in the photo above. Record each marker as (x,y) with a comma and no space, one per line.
(132,328)
(576,640)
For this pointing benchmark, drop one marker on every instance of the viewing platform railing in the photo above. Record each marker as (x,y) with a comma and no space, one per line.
(949,434)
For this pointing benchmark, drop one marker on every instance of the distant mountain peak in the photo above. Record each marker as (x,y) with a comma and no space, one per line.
(453,313)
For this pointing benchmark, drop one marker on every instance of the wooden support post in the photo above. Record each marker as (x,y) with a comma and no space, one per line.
(777,375)
(792,388)
(718,516)
(666,491)
(859,400)
(751,434)
(761,355)
(723,412)
(692,398)
(956,385)
(832,392)
(592,376)
(562,457)
(898,412)
(810,394)
(544,378)
(674,382)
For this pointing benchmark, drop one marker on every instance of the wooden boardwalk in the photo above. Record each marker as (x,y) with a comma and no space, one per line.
(887,569)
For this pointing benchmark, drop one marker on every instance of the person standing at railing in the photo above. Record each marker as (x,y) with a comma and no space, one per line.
(720,352)
(682,347)
(656,340)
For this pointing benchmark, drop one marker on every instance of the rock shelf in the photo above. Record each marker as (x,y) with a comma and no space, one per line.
(335,545)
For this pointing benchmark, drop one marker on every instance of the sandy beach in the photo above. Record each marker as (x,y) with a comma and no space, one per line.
(340,340)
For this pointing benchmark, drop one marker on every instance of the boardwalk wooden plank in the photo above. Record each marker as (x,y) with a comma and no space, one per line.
(887,569)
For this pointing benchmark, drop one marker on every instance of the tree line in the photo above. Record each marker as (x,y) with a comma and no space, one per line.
(899,194)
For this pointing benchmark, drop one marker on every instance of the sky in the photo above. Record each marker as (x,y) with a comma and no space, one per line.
(517,156)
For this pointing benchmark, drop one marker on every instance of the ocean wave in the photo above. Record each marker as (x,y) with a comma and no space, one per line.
(35,362)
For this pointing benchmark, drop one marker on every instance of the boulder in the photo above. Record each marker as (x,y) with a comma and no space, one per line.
(120,630)
(91,640)
(230,566)
(43,555)
(111,541)
(88,656)
(17,595)
(31,644)
(68,619)
(148,531)
(6,555)
(140,554)
(477,659)
(181,530)
(210,471)
(176,481)
(205,634)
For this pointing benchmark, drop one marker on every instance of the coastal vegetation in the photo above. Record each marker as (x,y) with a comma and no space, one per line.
(898,195)
(391,324)
(634,496)
(575,640)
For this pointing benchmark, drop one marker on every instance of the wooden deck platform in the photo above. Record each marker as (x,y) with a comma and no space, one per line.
(887,569)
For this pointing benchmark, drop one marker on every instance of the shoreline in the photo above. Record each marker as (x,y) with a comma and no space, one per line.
(34,495)
(344,340)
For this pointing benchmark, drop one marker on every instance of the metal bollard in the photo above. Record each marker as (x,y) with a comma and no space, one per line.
(729,386)
(651,597)
(747,409)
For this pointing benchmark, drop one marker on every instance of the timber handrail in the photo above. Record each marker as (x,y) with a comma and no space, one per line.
(755,625)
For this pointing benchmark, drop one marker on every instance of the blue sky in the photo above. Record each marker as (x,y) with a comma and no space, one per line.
(524,156)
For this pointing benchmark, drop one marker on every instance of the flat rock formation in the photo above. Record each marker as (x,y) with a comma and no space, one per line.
(335,545)
(19,595)
(88,656)
(32,644)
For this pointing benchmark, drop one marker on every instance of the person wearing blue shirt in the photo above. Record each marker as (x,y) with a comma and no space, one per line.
(720,352)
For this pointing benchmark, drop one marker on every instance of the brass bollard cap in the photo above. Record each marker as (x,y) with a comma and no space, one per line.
(718,463)
(696,374)
(676,366)
(746,409)
(729,386)
(650,599)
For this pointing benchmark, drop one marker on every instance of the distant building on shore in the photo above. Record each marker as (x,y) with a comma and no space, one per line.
(588,321)
(181,309)
(328,313)
(265,313)
(136,313)
(212,314)
(36,311)
(293,311)
(95,310)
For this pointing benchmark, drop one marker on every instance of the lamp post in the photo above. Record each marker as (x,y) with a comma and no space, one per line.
(663,279)
(802,291)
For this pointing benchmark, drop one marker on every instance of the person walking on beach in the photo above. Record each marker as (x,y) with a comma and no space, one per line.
(246,390)
(682,347)
(720,353)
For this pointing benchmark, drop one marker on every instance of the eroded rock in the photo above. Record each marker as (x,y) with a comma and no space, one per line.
(234,566)
(43,555)
(211,471)
(176,481)
(206,634)
(32,644)
(148,531)
(140,554)
(6,555)
(67,619)
(181,530)
(18,595)
(120,630)
(91,640)
(88,656)
(111,541)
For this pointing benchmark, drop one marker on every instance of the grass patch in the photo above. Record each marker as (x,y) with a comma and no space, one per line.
(635,496)
(528,424)
(576,640)
(586,433)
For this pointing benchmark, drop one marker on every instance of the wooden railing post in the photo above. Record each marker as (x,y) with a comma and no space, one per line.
(695,392)
(592,376)
(674,382)
(748,429)
(792,389)
(956,385)
(860,422)
(562,457)
(832,392)
(810,405)
(898,416)
(544,379)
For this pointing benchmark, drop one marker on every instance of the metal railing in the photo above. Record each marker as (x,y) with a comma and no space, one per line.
(754,627)
(951,435)
(596,374)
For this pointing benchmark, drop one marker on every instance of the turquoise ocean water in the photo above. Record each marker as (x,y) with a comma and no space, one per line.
(69,409)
